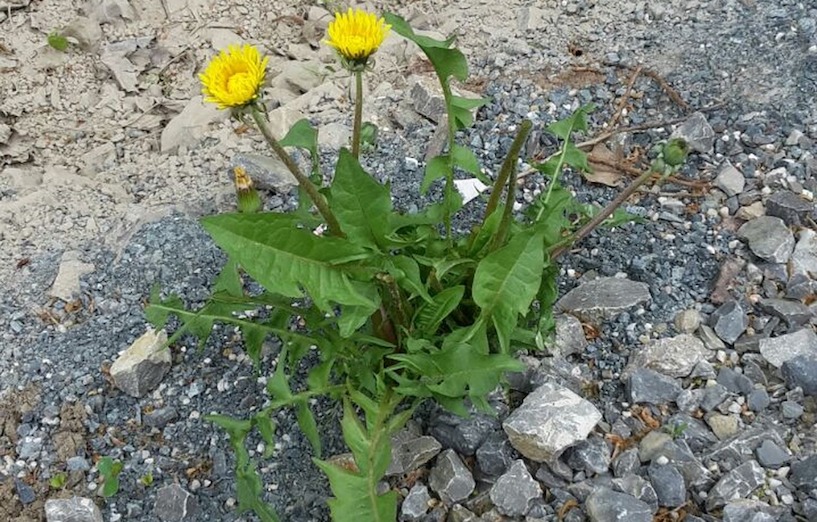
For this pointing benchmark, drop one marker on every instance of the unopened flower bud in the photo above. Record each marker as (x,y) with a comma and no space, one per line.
(249,202)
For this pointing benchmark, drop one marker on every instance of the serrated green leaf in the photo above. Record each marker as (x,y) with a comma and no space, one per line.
(431,315)
(354,435)
(436,168)
(355,499)
(266,428)
(318,377)
(506,282)
(576,158)
(575,122)
(465,159)
(283,258)
(361,204)
(302,134)
(306,421)
(462,109)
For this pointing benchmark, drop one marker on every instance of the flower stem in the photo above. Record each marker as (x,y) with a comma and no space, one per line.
(508,171)
(560,248)
(508,168)
(358,113)
(303,181)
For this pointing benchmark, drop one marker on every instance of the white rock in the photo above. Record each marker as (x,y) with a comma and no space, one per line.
(674,356)
(777,350)
(190,125)
(66,284)
(551,419)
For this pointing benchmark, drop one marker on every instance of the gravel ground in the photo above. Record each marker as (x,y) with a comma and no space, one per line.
(752,68)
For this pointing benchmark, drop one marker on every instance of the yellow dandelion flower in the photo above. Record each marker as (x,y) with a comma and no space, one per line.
(356,35)
(234,77)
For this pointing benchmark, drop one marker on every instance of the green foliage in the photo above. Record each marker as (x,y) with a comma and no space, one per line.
(58,481)
(109,469)
(396,309)
(146,479)
(57,41)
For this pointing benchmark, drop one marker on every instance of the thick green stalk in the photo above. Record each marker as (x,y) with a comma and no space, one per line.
(449,174)
(303,181)
(358,113)
(507,170)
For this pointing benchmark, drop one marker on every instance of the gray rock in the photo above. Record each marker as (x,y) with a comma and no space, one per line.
(159,418)
(651,444)
(30,447)
(549,420)
(703,370)
(190,125)
(740,447)
(668,483)
(25,493)
(267,173)
(758,400)
(549,479)
(804,257)
(738,483)
(710,338)
(648,386)
(687,321)
(697,132)
(674,356)
(175,504)
(77,464)
(729,321)
(730,180)
(809,506)
(459,513)
(592,455)
(74,509)
(804,473)
(604,298)
(801,371)
(770,455)
(416,503)
(569,336)
(791,410)
(627,462)
(606,505)
(692,432)
(723,426)
(450,479)
(777,350)
(495,454)
(142,366)
(789,207)
(735,382)
(769,238)
(794,313)
(464,434)
(427,101)
(680,456)
(748,510)
(409,454)
(515,490)
(639,488)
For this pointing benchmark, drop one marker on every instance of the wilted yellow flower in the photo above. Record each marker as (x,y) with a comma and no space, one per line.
(234,77)
(356,34)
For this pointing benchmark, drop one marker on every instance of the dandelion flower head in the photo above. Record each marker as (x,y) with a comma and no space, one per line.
(234,77)
(356,34)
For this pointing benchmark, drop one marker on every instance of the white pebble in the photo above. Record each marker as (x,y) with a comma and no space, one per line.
(662,460)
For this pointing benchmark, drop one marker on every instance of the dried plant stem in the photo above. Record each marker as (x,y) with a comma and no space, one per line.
(303,181)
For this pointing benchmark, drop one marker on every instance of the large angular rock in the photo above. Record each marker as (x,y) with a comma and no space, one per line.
(416,503)
(730,180)
(804,257)
(606,505)
(464,434)
(604,298)
(515,490)
(450,479)
(729,321)
(794,313)
(409,454)
(66,284)
(592,455)
(697,132)
(175,504)
(673,356)
(769,238)
(74,509)
(569,338)
(789,207)
(804,473)
(648,386)
(668,483)
(190,125)
(770,455)
(495,454)
(142,366)
(738,483)
(777,350)
(748,510)
(550,420)
(742,445)
(801,371)
(636,486)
